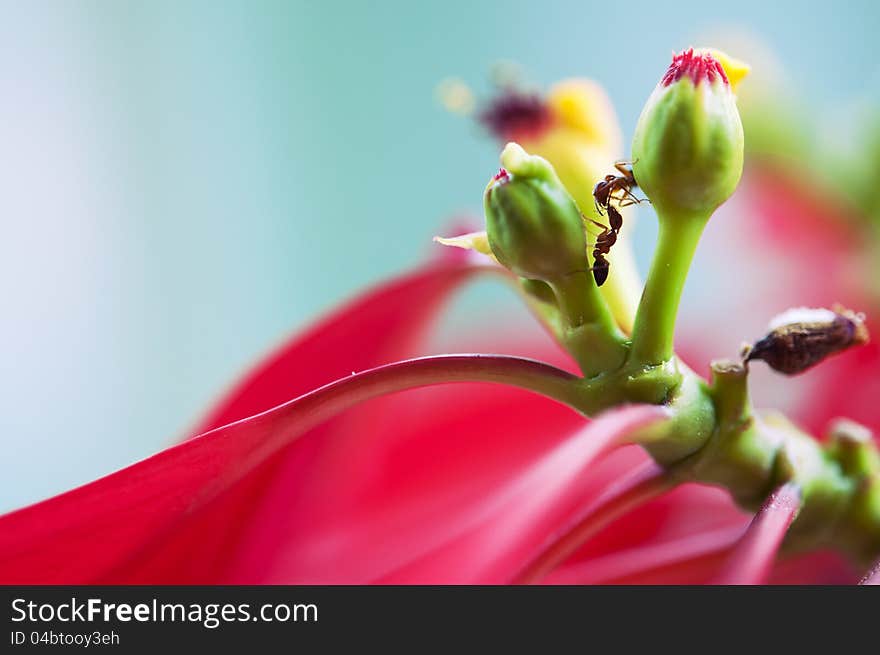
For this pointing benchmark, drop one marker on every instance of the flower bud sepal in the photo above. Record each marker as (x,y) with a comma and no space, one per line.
(536,231)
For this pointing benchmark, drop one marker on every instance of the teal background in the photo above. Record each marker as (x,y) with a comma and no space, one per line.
(183,184)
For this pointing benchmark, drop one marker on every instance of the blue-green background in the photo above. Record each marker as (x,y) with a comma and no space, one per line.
(183,183)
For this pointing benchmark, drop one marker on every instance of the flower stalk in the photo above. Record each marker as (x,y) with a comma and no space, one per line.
(654,331)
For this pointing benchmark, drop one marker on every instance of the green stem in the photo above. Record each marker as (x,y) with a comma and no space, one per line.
(730,392)
(588,330)
(655,319)
(580,301)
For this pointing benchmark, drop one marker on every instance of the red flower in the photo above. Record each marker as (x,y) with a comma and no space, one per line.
(314,469)
(453,484)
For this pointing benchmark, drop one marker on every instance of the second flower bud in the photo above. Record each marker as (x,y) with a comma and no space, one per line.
(533,224)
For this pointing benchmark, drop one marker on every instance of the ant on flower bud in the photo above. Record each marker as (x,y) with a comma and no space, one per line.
(798,339)
(603,194)
(607,238)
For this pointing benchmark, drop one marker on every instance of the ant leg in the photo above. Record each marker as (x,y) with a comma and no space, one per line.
(586,221)
(624,167)
(634,199)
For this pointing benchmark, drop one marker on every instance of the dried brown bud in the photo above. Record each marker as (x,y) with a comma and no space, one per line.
(801,338)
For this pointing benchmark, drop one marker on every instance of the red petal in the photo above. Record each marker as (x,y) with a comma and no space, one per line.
(516,519)
(78,536)
(412,465)
(634,489)
(687,510)
(753,558)
(847,385)
(802,236)
(644,563)
(819,567)
(87,533)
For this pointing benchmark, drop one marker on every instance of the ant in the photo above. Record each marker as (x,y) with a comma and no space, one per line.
(603,194)
(606,239)
(604,190)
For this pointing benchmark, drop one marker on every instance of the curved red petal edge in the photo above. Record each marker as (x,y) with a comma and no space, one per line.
(754,555)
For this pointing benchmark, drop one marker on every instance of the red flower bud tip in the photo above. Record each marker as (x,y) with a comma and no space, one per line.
(501,177)
(699,65)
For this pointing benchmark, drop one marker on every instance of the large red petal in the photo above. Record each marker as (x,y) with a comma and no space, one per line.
(87,533)
(81,535)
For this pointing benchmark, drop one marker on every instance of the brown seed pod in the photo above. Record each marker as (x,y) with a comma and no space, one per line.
(798,339)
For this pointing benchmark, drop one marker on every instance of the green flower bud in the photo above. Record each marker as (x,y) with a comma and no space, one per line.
(688,145)
(533,224)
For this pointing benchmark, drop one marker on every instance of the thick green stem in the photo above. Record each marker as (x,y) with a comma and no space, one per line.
(588,329)
(655,319)
(580,301)
(730,391)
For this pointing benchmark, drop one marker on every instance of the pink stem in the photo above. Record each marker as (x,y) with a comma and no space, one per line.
(322,403)
(638,486)
(872,577)
(753,557)
(285,423)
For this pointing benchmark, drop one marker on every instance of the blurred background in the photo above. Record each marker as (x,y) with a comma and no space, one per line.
(183,184)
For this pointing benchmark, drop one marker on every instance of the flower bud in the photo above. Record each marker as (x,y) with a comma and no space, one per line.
(798,339)
(688,146)
(533,224)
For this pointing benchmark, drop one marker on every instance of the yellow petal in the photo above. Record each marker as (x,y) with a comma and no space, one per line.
(583,105)
(735,69)
(477,241)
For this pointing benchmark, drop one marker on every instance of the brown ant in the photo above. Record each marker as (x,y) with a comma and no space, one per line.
(603,194)
(602,247)
(604,190)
